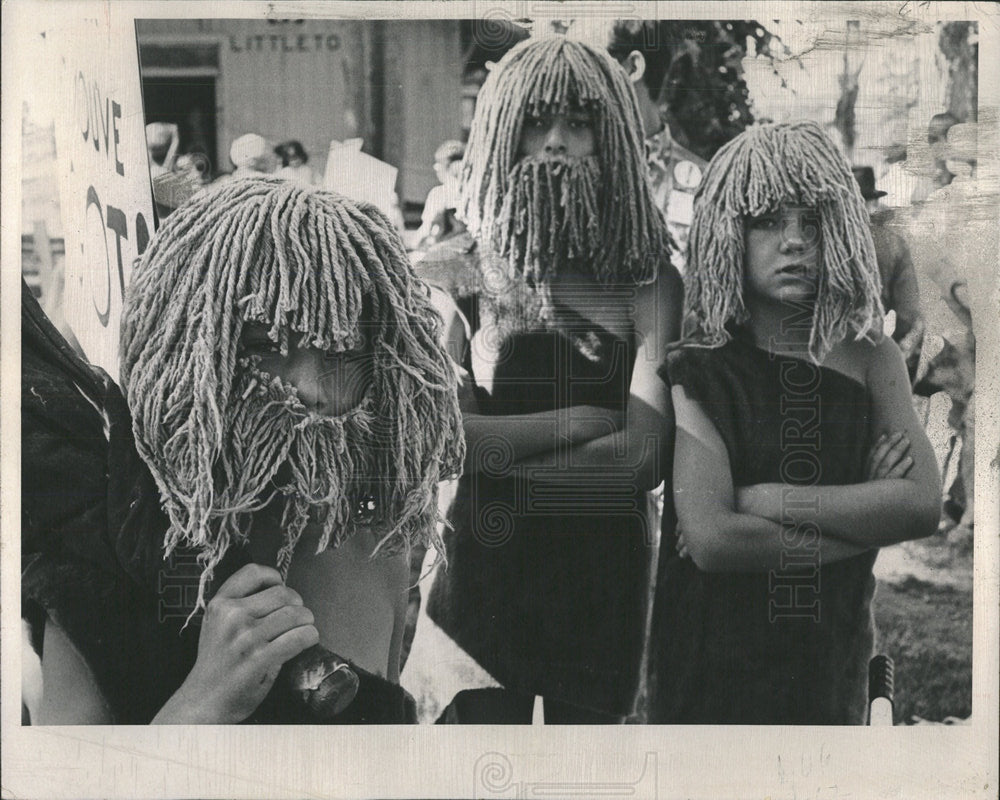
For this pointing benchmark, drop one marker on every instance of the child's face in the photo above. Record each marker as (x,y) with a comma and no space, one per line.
(328,383)
(782,257)
(554,134)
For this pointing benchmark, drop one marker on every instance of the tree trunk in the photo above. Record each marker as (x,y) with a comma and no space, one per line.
(959,43)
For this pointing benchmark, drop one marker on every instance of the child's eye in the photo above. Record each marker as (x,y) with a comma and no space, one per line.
(533,122)
(260,346)
(763,223)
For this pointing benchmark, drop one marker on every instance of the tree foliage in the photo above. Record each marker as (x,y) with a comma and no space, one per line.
(694,69)
(703,93)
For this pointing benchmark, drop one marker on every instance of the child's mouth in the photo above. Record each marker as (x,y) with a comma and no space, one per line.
(800,270)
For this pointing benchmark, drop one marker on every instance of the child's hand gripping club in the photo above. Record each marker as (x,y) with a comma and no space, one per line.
(254,629)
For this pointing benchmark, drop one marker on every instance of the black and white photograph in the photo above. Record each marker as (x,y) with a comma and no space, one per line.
(601,376)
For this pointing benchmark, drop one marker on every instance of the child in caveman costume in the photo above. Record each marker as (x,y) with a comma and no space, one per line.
(287,415)
(798,453)
(549,556)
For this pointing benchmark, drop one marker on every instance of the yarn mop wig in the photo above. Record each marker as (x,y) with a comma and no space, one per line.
(223,439)
(752,175)
(540,214)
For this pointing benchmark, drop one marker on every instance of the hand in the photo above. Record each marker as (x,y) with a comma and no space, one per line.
(252,626)
(889,457)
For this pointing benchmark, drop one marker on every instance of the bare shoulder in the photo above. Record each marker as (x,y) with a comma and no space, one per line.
(660,302)
(866,360)
(669,282)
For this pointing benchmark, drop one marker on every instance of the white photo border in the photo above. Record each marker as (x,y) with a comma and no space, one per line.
(443,761)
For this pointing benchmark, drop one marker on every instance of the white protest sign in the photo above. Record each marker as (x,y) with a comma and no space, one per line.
(360,176)
(104,186)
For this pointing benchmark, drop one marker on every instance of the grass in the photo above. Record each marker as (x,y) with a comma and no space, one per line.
(927,630)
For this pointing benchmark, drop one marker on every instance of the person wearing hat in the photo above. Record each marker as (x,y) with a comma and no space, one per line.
(251,156)
(900,291)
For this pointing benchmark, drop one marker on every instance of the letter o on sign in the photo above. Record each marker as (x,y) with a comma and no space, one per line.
(95,240)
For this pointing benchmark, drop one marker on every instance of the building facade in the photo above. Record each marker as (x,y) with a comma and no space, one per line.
(397,84)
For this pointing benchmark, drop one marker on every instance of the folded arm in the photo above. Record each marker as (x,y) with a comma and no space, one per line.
(519,437)
(644,445)
(879,512)
(718,536)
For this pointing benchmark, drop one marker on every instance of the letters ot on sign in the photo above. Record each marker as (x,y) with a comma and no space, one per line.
(104,187)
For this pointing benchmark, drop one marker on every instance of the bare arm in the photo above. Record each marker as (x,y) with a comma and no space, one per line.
(70,695)
(718,537)
(644,445)
(520,436)
(879,512)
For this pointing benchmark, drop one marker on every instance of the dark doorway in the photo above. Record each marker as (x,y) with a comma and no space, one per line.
(189,102)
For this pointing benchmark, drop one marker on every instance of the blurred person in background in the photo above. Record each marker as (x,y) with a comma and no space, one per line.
(900,292)
(955,237)
(938,175)
(438,221)
(294,163)
(674,171)
(194,168)
(251,157)
(162,142)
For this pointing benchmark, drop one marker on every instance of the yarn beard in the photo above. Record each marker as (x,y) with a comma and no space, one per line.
(622,236)
(593,216)
(347,473)
(549,221)
(548,225)
(319,468)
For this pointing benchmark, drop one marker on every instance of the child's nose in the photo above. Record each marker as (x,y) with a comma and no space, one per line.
(798,233)
(316,379)
(555,139)
(303,373)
